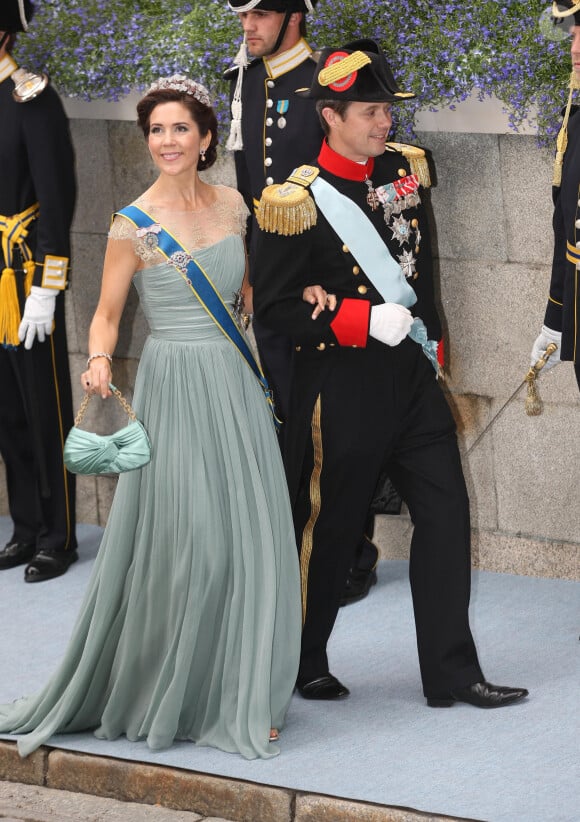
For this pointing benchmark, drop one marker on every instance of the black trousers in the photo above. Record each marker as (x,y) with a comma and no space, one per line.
(383,408)
(35,417)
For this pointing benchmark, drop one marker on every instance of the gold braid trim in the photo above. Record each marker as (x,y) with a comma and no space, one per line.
(286,209)
(562,139)
(417,160)
(315,505)
(342,68)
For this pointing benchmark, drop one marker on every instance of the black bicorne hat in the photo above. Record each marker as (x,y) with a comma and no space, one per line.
(273,5)
(356,72)
(567,8)
(559,18)
(15,15)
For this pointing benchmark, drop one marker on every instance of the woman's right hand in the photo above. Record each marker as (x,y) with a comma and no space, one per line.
(96,379)
(316,295)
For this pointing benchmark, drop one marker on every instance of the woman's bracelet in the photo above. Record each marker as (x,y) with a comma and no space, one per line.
(99,354)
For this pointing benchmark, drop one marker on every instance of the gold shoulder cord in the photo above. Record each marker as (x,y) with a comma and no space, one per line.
(562,139)
(417,160)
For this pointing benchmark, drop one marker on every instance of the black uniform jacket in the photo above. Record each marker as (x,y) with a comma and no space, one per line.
(280,130)
(37,165)
(563,309)
(286,264)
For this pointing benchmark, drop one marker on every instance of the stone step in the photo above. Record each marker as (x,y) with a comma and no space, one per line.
(62,786)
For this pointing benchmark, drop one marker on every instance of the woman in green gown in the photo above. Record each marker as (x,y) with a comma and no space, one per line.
(190,627)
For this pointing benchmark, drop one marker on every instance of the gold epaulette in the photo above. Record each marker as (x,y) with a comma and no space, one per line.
(287,208)
(417,161)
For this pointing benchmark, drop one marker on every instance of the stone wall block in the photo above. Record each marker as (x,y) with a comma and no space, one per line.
(83,295)
(13,768)
(133,168)
(467,201)
(182,790)
(535,472)
(510,554)
(86,496)
(392,535)
(94,176)
(493,313)
(526,182)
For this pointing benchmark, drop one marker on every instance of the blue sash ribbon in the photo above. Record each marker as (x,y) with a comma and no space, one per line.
(203,288)
(369,250)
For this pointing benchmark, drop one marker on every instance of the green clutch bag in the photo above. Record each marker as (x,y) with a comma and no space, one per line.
(125,450)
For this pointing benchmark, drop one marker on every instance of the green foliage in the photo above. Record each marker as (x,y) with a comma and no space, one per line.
(440,50)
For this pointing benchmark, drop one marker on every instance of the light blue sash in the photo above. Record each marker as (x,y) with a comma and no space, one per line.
(203,288)
(369,250)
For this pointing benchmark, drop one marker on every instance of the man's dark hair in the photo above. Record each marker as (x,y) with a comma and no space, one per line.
(340,106)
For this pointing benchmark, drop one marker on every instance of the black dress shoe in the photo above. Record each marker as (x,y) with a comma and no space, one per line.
(49,564)
(358,583)
(324,687)
(482,695)
(16,553)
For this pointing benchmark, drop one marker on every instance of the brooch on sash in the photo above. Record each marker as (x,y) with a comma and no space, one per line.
(149,235)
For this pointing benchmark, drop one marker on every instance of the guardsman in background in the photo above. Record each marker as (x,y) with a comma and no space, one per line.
(562,317)
(37,199)
(365,393)
(273,132)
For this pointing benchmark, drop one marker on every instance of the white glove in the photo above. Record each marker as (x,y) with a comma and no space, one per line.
(539,348)
(38,315)
(390,323)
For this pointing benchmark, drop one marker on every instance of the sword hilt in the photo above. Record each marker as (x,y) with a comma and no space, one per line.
(537,367)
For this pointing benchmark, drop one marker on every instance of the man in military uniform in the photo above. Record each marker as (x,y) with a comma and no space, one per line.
(37,198)
(366,395)
(273,132)
(562,317)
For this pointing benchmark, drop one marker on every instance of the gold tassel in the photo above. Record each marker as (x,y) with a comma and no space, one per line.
(9,309)
(562,139)
(286,209)
(417,160)
(533,405)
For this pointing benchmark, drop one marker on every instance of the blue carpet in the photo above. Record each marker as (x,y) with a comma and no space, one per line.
(519,764)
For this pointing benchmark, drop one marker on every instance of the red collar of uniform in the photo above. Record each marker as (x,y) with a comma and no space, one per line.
(343,167)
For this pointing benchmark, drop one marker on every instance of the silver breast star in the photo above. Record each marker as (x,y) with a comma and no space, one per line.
(400,228)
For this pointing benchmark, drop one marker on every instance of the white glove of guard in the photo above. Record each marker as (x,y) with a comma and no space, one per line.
(539,348)
(38,315)
(390,323)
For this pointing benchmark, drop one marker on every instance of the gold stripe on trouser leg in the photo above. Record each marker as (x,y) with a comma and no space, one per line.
(315,502)
(61,433)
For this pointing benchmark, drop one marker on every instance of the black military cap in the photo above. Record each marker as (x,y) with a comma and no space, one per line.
(358,72)
(15,15)
(273,5)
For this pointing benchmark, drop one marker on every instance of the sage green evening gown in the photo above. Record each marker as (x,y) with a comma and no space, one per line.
(190,627)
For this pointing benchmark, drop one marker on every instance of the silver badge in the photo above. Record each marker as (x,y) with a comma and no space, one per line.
(407,261)
(281,122)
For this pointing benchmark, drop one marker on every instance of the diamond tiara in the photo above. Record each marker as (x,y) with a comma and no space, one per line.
(179,82)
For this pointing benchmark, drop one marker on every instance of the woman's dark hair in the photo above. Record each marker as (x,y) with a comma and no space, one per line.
(340,106)
(202,115)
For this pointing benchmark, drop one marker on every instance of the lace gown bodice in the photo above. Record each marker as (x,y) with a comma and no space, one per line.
(214,237)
